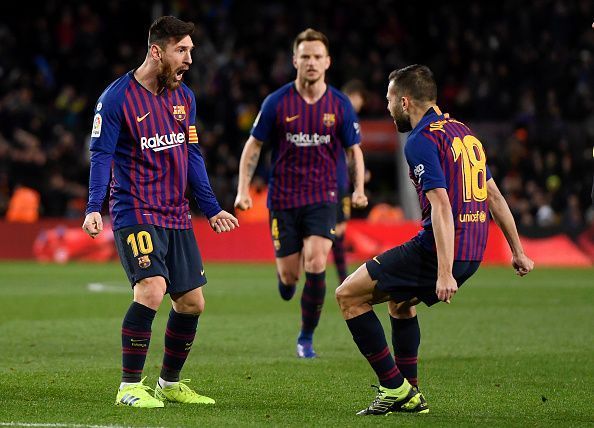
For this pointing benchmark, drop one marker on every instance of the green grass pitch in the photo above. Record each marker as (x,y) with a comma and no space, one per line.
(508,351)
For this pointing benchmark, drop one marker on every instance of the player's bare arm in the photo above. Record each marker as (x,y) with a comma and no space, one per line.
(443,230)
(503,217)
(247,167)
(93,224)
(223,222)
(357,173)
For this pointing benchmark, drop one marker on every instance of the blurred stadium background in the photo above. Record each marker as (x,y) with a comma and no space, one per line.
(522,77)
(514,352)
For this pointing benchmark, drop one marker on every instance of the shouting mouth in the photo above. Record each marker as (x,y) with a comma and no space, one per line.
(179,74)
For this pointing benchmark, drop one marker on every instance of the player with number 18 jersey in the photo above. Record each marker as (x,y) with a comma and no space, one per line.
(443,153)
(448,167)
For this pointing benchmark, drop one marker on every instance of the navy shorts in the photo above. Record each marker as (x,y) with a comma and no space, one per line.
(289,227)
(410,270)
(146,250)
(343,208)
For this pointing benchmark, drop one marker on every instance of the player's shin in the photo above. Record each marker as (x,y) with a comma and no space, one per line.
(406,338)
(312,301)
(136,337)
(179,337)
(287,291)
(338,252)
(369,336)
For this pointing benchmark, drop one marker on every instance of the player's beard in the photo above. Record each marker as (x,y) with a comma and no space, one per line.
(402,120)
(166,76)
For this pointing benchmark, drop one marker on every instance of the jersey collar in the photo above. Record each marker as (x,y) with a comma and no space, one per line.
(430,116)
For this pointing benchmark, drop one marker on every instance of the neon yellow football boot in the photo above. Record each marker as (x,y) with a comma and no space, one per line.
(137,395)
(181,393)
(407,399)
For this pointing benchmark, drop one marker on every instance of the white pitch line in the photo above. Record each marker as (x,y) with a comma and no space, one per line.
(98,287)
(57,425)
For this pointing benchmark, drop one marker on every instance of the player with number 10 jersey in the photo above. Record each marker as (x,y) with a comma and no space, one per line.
(144,135)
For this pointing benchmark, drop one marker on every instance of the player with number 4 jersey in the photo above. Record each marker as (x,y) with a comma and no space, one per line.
(309,126)
(456,191)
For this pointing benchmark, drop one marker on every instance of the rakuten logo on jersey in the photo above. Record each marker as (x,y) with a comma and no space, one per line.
(162,142)
(308,140)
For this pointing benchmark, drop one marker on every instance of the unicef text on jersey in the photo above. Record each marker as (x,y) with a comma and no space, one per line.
(162,142)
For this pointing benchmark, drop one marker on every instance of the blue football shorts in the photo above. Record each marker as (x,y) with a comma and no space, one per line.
(343,207)
(146,250)
(289,227)
(409,270)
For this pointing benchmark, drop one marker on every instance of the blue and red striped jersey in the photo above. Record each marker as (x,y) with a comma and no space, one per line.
(151,144)
(307,141)
(443,153)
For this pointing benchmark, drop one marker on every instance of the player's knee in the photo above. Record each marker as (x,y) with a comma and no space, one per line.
(402,310)
(192,307)
(315,264)
(343,295)
(150,291)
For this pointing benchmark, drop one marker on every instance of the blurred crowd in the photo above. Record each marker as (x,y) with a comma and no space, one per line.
(525,75)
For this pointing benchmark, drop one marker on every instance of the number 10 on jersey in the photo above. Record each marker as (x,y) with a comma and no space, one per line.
(142,241)
(474,167)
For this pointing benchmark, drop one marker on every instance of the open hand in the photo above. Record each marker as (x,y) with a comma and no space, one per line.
(223,222)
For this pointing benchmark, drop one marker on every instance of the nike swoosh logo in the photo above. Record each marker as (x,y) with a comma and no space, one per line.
(376,260)
(141,118)
(292,118)
(202,272)
(332,231)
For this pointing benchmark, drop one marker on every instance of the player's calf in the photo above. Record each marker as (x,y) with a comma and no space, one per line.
(286,291)
(287,283)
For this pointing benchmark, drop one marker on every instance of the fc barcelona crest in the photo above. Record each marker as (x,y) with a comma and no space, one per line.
(144,262)
(179,112)
(329,119)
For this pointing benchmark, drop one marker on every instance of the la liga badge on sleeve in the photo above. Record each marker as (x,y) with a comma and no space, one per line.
(97,120)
